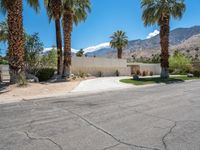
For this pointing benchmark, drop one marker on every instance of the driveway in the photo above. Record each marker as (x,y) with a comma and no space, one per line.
(102,84)
(163,117)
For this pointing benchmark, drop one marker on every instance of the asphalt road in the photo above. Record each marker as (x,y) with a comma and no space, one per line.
(163,117)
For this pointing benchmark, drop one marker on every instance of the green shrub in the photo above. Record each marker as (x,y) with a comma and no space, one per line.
(196,69)
(80,53)
(3,62)
(171,71)
(117,73)
(138,72)
(179,64)
(151,73)
(144,73)
(45,74)
(100,74)
(196,72)
(82,74)
(74,77)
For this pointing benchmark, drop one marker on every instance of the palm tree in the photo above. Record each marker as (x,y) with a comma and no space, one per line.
(75,11)
(14,10)
(54,11)
(160,12)
(119,41)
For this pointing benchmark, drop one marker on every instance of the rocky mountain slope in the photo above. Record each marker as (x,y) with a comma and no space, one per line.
(182,39)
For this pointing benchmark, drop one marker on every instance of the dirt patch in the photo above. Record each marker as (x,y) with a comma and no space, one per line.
(37,90)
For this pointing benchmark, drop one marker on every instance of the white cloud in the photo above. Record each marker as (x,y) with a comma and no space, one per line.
(50,48)
(47,49)
(86,50)
(74,50)
(152,34)
(97,47)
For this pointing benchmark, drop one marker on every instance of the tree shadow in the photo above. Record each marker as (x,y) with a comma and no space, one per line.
(4,87)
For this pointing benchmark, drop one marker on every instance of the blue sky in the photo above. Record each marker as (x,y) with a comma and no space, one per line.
(106,17)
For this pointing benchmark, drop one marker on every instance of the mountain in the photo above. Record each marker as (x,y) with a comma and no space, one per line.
(101,52)
(180,38)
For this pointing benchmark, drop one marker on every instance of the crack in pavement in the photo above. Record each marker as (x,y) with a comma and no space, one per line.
(39,138)
(113,146)
(43,138)
(91,124)
(27,133)
(118,140)
(30,125)
(170,128)
(167,134)
(109,134)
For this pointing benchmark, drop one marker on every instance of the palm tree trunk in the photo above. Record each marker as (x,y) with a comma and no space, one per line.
(16,40)
(119,53)
(59,45)
(67,28)
(164,42)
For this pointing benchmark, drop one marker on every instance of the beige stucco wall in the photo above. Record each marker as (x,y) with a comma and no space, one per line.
(107,66)
(94,66)
(4,72)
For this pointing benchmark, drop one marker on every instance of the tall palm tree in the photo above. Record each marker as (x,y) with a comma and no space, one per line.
(160,12)
(14,9)
(119,41)
(74,12)
(54,11)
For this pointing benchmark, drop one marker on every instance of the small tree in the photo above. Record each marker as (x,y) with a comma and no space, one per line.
(80,53)
(179,63)
(197,53)
(155,58)
(33,50)
(133,57)
(49,59)
(188,52)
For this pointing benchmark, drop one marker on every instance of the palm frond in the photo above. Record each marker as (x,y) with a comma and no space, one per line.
(153,10)
(119,40)
(78,8)
(54,8)
(4,6)
(34,4)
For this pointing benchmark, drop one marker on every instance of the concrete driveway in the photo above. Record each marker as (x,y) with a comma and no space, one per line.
(102,84)
(163,117)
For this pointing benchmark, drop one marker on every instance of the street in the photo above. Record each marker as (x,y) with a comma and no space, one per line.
(161,117)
